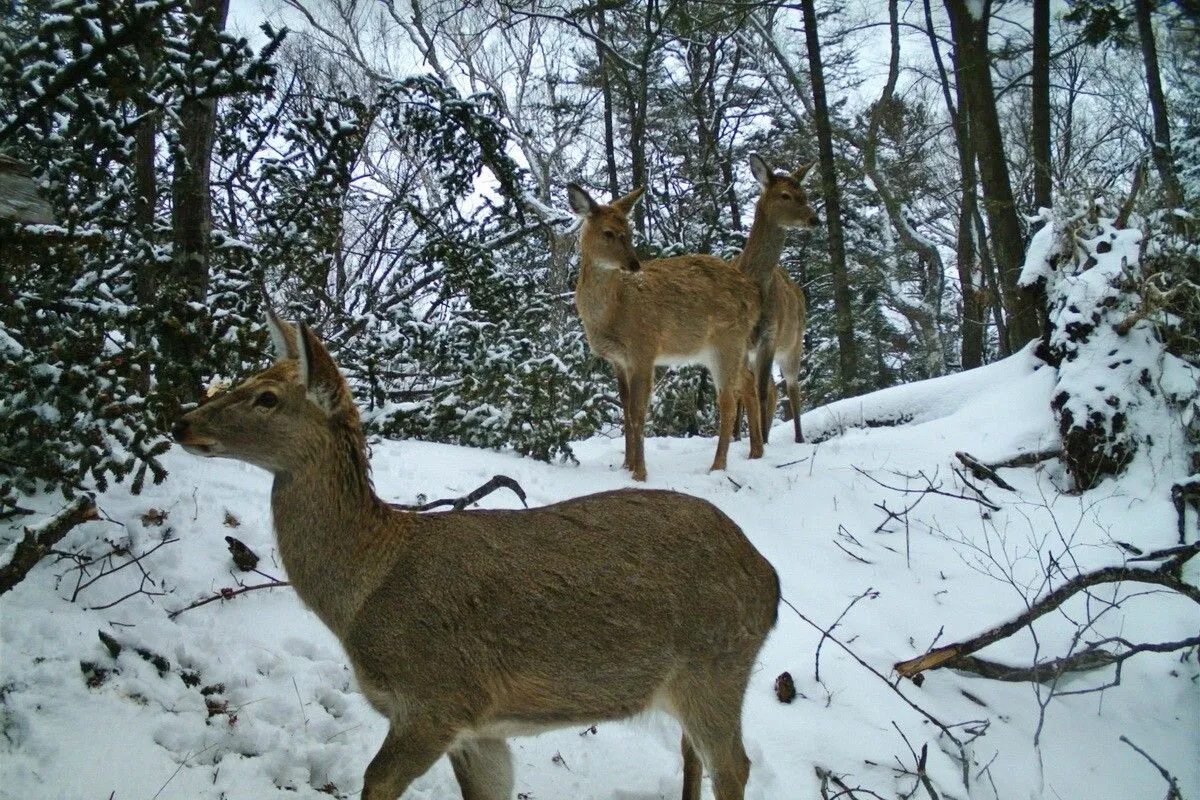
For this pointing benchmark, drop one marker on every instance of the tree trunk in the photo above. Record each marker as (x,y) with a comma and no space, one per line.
(1039,133)
(970,276)
(1160,148)
(191,216)
(610,154)
(843,310)
(972,62)
(191,213)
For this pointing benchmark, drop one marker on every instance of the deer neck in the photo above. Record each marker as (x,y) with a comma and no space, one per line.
(596,290)
(330,526)
(763,248)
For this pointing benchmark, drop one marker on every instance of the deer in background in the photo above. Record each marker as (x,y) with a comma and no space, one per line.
(791,319)
(779,334)
(689,309)
(467,627)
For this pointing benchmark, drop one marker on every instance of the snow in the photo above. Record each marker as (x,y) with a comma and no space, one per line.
(282,718)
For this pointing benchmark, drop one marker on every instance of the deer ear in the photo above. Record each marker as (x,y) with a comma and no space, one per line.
(581,202)
(283,336)
(799,175)
(759,169)
(625,204)
(318,372)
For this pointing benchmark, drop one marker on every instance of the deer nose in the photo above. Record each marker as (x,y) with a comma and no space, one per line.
(634,265)
(179,430)
(816,220)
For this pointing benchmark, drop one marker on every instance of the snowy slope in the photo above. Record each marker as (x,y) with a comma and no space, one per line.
(281,712)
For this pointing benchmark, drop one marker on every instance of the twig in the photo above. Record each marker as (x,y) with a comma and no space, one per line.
(1173,792)
(945,729)
(104,573)
(791,463)
(228,593)
(869,592)
(460,503)
(828,777)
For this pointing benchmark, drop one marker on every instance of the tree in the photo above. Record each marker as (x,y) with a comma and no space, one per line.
(969,25)
(847,349)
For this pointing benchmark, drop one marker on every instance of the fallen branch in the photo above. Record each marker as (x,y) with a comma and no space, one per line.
(1093,657)
(460,503)
(1027,459)
(952,655)
(40,539)
(228,593)
(982,471)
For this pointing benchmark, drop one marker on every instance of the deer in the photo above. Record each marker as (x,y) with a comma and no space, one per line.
(464,628)
(689,309)
(791,320)
(779,333)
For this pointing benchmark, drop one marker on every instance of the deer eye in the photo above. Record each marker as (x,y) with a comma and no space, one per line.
(267,399)
(785,195)
(609,235)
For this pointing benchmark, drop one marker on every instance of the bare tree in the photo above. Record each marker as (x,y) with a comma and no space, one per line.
(843,311)
(969,24)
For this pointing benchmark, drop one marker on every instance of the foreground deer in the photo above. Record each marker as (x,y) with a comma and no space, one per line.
(467,627)
(688,309)
(779,335)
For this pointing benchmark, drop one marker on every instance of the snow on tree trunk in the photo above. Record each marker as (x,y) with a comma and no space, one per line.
(1119,391)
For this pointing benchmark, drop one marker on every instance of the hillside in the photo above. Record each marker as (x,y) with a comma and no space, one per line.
(256,700)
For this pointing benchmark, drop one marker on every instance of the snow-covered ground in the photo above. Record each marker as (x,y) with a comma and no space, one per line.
(257,701)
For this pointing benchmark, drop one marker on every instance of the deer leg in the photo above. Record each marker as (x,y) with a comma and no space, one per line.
(793,390)
(640,384)
(626,422)
(484,769)
(406,754)
(764,365)
(693,770)
(753,418)
(726,408)
(709,706)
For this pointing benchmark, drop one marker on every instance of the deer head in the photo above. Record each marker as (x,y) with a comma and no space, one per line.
(783,198)
(279,418)
(605,239)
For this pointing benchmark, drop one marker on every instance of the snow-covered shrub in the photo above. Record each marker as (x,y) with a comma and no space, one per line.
(96,335)
(1119,386)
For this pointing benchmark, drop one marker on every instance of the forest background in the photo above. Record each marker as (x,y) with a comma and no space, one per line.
(394,174)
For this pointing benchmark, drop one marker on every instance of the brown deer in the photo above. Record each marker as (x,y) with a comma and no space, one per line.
(783,204)
(688,309)
(791,320)
(467,627)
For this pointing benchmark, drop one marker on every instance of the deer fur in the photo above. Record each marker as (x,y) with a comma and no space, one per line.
(689,309)
(791,319)
(467,627)
(783,204)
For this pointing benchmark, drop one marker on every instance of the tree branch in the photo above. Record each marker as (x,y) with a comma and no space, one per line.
(41,538)
(952,655)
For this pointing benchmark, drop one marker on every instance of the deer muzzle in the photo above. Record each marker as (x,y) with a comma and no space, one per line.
(194,443)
